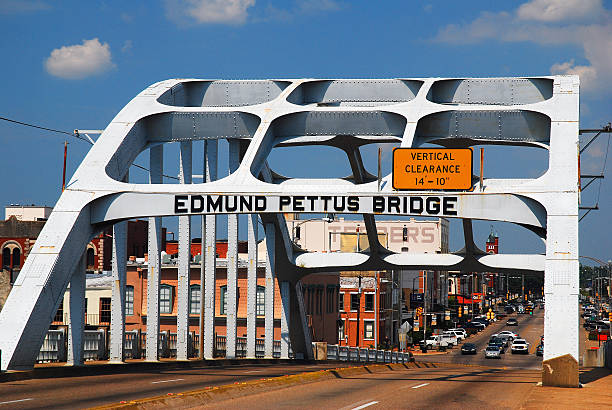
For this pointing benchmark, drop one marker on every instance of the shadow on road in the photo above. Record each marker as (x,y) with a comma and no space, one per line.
(590,374)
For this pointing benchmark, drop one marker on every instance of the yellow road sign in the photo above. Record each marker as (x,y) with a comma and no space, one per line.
(432,168)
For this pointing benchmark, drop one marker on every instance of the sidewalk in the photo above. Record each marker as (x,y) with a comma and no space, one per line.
(596,393)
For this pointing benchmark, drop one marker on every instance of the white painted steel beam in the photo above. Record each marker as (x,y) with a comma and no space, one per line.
(208,294)
(285,317)
(269,298)
(251,324)
(119,268)
(76,324)
(232,262)
(156,167)
(184,259)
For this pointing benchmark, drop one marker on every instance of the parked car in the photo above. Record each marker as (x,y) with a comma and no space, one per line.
(540,350)
(460,334)
(450,337)
(512,322)
(492,352)
(435,342)
(468,348)
(520,346)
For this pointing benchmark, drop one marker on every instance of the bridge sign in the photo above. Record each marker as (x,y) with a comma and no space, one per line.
(432,169)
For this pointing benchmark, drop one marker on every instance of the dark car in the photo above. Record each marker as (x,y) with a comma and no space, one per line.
(540,350)
(468,348)
(497,343)
(512,322)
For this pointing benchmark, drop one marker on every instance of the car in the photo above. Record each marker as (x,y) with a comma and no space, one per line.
(498,343)
(460,331)
(468,348)
(540,350)
(451,338)
(506,338)
(511,335)
(459,334)
(492,352)
(509,309)
(512,322)
(520,346)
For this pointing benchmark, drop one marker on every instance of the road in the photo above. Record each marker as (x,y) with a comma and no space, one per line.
(530,328)
(88,391)
(452,386)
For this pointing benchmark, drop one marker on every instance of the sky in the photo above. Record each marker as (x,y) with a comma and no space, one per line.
(74,64)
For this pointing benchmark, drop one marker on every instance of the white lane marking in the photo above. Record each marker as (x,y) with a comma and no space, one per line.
(363,406)
(14,401)
(254,371)
(167,381)
(420,385)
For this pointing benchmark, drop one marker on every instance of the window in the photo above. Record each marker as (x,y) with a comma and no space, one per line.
(129,300)
(340,330)
(368,329)
(223,300)
(6,257)
(16,258)
(369,302)
(261,301)
(59,315)
(341,302)
(194,299)
(165,299)
(90,258)
(105,310)
(354,301)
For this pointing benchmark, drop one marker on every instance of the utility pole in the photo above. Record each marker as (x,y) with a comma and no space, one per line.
(425,305)
(522,287)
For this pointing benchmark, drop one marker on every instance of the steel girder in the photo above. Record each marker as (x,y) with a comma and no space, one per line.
(347,114)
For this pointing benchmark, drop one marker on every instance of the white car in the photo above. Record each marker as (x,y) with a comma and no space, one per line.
(520,346)
(508,334)
(460,335)
(450,337)
(435,341)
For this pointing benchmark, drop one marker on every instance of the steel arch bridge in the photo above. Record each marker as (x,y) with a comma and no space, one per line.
(257,116)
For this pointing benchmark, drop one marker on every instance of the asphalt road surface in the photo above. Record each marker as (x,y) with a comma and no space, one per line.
(530,328)
(88,391)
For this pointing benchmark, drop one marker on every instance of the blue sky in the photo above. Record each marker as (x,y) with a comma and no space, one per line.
(75,64)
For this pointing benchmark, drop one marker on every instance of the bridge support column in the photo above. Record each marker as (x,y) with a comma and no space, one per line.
(285,315)
(184,260)
(270,280)
(232,261)
(117,326)
(154,271)
(561,321)
(252,286)
(77,314)
(301,339)
(210,226)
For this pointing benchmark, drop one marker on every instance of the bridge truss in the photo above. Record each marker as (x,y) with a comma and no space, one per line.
(258,116)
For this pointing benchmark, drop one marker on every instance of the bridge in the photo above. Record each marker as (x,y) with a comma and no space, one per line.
(256,117)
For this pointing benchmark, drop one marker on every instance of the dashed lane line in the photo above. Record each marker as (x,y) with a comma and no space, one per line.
(167,381)
(15,401)
(363,406)
(420,385)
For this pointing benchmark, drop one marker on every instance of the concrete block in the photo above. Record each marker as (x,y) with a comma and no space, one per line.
(560,371)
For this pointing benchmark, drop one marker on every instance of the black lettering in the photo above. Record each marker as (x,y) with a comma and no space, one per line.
(416,205)
(405,205)
(214,205)
(298,203)
(339,207)
(353,203)
(448,205)
(246,203)
(179,204)
(393,202)
(312,200)
(378,204)
(260,203)
(284,200)
(197,203)
(432,205)
(234,206)
(325,200)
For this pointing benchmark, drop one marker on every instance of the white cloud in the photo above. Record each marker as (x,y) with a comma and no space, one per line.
(22,6)
(540,22)
(560,10)
(127,46)
(208,11)
(80,60)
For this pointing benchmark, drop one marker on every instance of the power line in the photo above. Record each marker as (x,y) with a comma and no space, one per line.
(45,128)
(72,135)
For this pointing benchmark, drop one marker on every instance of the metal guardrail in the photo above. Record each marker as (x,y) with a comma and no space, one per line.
(356,354)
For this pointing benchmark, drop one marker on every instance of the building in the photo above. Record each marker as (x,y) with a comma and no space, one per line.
(28,212)
(370,314)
